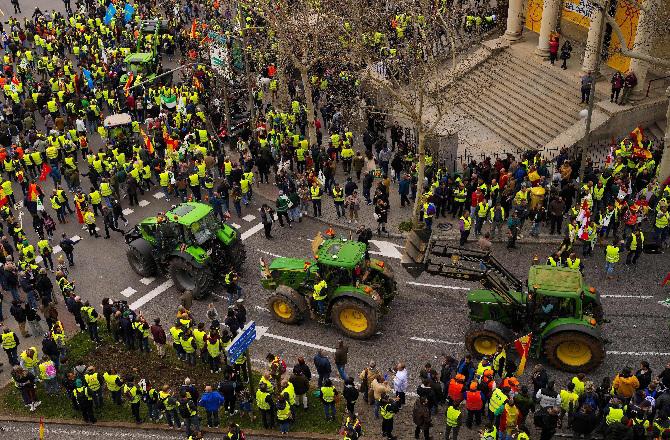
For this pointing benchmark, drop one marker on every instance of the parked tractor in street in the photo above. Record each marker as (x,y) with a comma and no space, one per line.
(359,290)
(190,244)
(561,311)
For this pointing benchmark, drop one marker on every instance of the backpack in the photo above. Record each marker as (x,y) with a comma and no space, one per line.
(50,371)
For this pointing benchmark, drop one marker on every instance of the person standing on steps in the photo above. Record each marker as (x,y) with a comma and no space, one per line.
(553,49)
(617,85)
(566,49)
(586,81)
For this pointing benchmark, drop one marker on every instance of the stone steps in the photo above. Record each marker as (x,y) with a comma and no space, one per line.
(523,102)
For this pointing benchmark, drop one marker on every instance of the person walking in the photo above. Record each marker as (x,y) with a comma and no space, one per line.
(283,204)
(421,418)
(612,257)
(513,230)
(67,245)
(315,192)
(108,221)
(19,314)
(89,219)
(341,352)
(267,218)
(353,205)
(381,214)
(566,50)
(635,247)
(454,419)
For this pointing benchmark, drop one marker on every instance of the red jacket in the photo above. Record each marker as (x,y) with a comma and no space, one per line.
(474,400)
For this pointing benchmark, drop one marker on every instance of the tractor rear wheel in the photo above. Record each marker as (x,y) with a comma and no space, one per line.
(573,351)
(287,305)
(187,276)
(482,339)
(140,258)
(354,318)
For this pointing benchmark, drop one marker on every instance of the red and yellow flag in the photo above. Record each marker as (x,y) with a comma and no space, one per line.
(193,28)
(41,428)
(522,346)
(147,142)
(129,82)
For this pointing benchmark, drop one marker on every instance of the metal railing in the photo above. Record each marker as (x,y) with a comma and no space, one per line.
(663,78)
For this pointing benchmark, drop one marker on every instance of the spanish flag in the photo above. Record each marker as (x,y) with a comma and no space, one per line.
(193,28)
(522,346)
(147,142)
(129,82)
(3,198)
(637,136)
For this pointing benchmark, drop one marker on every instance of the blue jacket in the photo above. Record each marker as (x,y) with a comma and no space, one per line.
(322,364)
(466,370)
(403,186)
(211,401)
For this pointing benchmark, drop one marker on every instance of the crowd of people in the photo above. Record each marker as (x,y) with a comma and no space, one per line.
(62,74)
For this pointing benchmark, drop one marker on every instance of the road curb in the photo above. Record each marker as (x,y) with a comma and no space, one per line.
(162,427)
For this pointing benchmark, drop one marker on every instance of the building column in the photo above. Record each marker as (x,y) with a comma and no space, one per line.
(644,41)
(550,12)
(664,166)
(514,20)
(590,63)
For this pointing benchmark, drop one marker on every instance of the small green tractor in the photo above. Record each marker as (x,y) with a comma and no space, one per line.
(561,311)
(359,291)
(190,244)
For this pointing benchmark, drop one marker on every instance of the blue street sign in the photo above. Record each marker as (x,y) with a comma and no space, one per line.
(241,342)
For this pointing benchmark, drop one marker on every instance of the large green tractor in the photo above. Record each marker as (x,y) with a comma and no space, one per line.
(557,306)
(359,291)
(190,244)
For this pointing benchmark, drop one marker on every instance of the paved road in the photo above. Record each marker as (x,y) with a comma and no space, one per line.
(29,431)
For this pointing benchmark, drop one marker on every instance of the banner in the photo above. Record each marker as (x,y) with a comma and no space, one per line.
(111,12)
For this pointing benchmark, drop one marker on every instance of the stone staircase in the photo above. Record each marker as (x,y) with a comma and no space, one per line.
(656,131)
(525,103)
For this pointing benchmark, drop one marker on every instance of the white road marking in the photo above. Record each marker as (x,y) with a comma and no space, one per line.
(128,292)
(152,294)
(386,249)
(148,280)
(249,232)
(57,249)
(435,341)
(143,203)
(38,259)
(235,225)
(269,253)
(263,331)
(249,218)
(159,195)
(439,286)
(627,296)
(128,211)
(75,238)
(637,353)
(262,309)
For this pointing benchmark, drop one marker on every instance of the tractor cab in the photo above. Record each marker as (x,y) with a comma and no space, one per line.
(119,127)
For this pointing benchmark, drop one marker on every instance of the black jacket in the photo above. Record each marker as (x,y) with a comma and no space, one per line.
(50,348)
(303,369)
(583,423)
(350,393)
(18,312)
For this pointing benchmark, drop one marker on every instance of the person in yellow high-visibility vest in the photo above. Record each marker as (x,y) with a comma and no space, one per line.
(89,219)
(319,295)
(612,257)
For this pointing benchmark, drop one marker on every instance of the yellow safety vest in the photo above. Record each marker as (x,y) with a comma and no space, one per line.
(96,198)
(260,400)
(467,223)
(8,341)
(452,416)
(315,191)
(612,254)
(614,415)
(318,288)
(633,241)
(89,218)
(92,381)
(105,189)
(498,399)
(328,394)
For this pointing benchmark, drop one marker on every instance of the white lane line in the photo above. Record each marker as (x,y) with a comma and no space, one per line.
(627,296)
(263,331)
(440,286)
(143,203)
(152,294)
(249,232)
(128,292)
(159,195)
(235,225)
(249,218)
(269,253)
(436,341)
(637,353)
(262,309)
(148,280)
(128,211)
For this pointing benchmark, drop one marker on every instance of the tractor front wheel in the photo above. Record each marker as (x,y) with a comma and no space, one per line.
(187,276)
(481,340)
(140,258)
(574,351)
(354,318)
(287,305)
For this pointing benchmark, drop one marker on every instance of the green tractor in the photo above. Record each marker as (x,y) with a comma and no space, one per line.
(190,244)
(359,291)
(561,311)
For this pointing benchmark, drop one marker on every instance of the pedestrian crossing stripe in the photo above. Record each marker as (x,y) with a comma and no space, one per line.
(143,203)
(128,211)
(249,218)
(159,195)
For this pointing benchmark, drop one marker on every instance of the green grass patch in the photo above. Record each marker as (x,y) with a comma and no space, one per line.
(157,371)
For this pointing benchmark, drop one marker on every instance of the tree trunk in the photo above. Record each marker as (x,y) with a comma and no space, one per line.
(309,104)
(421,168)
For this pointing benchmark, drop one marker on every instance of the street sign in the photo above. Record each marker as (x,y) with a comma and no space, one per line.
(241,342)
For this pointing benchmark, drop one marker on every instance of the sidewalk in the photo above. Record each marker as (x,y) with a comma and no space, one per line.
(448,226)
